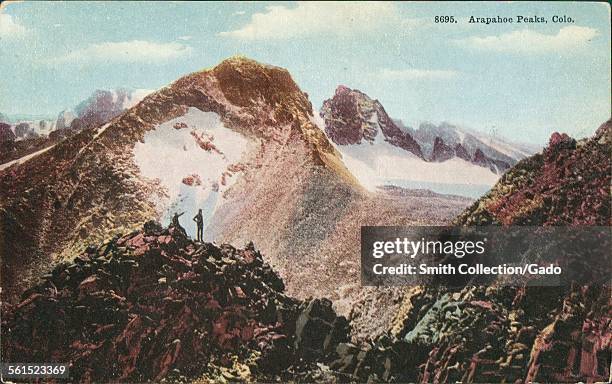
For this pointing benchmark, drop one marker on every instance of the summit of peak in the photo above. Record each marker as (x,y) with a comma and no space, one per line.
(352,117)
(245,82)
(241,60)
(342,89)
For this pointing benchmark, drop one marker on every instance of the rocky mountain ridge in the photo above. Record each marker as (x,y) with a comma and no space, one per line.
(445,141)
(32,135)
(351,118)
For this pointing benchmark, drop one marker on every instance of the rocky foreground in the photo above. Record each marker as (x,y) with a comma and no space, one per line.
(155,306)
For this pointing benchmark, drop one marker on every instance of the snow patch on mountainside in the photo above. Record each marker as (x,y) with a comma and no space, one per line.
(317,120)
(381,164)
(136,96)
(99,131)
(514,150)
(23,159)
(190,156)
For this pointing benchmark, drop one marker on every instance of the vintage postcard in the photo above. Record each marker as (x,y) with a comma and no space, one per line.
(312,192)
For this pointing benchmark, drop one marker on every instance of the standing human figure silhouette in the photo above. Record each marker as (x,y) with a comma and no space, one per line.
(176,224)
(200,224)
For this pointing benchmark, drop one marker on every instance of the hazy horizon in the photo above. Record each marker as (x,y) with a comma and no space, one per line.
(522,81)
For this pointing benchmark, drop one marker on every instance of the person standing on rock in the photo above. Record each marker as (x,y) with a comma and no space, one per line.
(200,224)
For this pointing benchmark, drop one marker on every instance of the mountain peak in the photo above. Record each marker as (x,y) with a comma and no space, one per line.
(352,117)
(242,60)
(257,100)
(245,86)
(244,81)
(342,90)
(247,66)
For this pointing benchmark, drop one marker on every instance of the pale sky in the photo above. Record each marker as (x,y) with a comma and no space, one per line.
(523,81)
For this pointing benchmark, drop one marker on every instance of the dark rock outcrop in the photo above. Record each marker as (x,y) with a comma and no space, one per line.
(154,305)
(441,151)
(351,117)
(461,152)
(496,166)
(7,138)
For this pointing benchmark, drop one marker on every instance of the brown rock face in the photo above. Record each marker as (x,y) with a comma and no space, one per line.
(6,134)
(344,123)
(461,152)
(441,151)
(351,117)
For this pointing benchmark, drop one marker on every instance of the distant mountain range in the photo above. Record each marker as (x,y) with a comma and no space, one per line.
(100,107)
(383,151)
(32,133)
